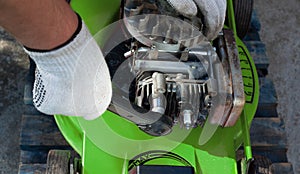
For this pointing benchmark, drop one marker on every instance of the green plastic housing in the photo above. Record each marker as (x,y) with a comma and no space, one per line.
(111,144)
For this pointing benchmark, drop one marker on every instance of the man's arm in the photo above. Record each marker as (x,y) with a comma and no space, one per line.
(38,24)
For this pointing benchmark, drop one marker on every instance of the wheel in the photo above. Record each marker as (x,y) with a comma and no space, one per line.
(260,165)
(58,162)
(242,13)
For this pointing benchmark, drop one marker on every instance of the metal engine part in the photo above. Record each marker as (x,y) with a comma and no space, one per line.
(180,90)
(179,78)
(152,22)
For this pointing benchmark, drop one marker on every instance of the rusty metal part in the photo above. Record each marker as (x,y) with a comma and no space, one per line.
(230,82)
(238,100)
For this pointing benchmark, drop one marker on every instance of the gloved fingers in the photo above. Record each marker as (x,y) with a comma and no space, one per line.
(222,4)
(187,8)
(74,79)
(213,12)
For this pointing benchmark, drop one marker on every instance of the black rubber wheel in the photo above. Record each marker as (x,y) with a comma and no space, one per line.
(58,162)
(260,165)
(242,13)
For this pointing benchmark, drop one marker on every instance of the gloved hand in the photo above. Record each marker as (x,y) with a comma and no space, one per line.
(213,12)
(72,80)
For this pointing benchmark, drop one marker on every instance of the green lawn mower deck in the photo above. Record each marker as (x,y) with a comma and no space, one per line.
(116,143)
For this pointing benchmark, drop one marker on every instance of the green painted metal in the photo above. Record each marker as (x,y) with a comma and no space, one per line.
(244,118)
(107,144)
(246,135)
(230,14)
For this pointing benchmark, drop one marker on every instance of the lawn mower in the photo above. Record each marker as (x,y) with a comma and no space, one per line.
(181,104)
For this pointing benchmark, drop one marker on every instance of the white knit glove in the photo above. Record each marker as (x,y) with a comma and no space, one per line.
(72,80)
(214,12)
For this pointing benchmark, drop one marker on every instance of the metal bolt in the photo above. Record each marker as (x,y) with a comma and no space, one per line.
(187,119)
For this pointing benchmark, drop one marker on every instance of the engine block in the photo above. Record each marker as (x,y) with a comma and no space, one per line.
(177,76)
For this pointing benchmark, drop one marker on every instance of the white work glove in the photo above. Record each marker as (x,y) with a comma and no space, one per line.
(213,11)
(72,80)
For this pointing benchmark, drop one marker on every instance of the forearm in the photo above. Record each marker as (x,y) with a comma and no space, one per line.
(38,24)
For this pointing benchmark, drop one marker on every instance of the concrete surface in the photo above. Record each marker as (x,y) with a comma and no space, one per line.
(280,32)
(13,69)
